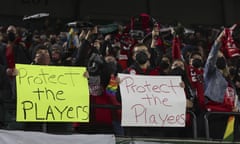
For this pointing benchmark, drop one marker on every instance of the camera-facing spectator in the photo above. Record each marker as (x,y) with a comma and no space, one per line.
(41,55)
(57,55)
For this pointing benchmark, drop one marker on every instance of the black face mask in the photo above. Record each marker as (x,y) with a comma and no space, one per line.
(221,63)
(232,71)
(177,71)
(197,63)
(11,36)
(111,67)
(93,37)
(164,64)
(141,57)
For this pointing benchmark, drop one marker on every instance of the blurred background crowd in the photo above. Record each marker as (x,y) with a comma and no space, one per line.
(143,45)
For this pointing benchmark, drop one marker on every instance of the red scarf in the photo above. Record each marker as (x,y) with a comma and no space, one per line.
(10,57)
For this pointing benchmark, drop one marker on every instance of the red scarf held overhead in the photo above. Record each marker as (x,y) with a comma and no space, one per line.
(176,48)
(229,47)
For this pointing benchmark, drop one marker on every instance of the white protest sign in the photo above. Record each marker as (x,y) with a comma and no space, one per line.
(154,101)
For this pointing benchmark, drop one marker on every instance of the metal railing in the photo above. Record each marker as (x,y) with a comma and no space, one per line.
(208,114)
(10,105)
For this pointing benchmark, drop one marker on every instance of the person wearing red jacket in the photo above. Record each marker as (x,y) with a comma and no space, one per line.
(195,74)
(140,66)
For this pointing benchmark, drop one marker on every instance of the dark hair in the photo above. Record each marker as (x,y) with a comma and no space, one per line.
(113,50)
(166,56)
(40,47)
(56,47)
(195,53)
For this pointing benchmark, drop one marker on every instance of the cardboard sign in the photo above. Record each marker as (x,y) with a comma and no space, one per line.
(52,93)
(154,101)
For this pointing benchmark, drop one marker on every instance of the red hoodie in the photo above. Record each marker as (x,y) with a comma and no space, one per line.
(196,80)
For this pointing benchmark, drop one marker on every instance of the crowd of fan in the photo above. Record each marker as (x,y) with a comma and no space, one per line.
(142,46)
